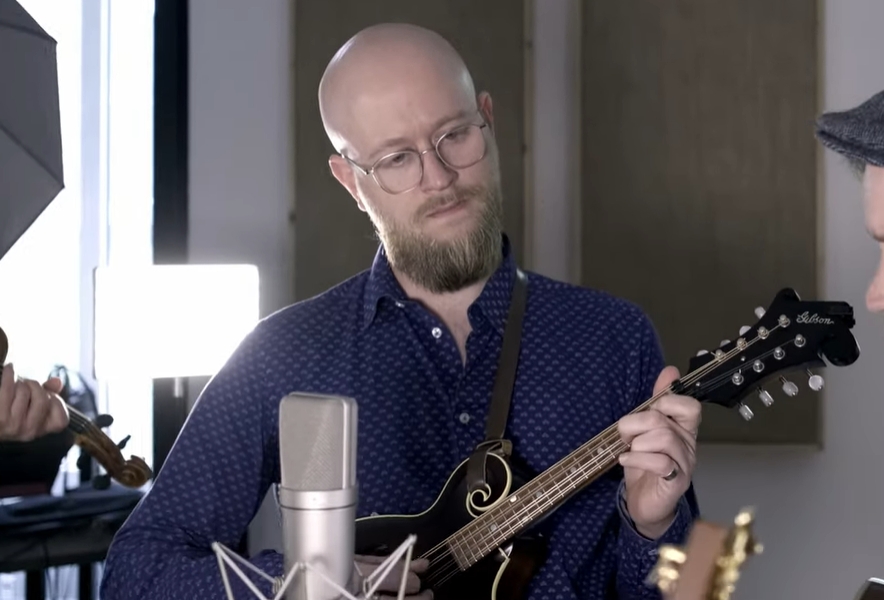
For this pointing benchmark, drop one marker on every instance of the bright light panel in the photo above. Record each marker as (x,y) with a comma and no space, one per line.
(171,320)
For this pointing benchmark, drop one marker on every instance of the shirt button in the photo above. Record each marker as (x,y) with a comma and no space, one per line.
(374,514)
(464,418)
(437,333)
(399,304)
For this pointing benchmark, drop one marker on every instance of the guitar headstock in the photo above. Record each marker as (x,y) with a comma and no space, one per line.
(710,564)
(791,335)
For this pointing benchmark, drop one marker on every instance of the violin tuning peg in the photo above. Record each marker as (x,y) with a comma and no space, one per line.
(102,421)
(123,442)
(744,329)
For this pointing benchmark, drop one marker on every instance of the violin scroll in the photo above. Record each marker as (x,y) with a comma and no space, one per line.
(88,435)
(131,473)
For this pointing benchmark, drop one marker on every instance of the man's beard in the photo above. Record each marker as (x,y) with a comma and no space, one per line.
(450,265)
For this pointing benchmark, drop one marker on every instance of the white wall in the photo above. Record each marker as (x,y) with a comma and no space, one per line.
(241,180)
(819,513)
(241,143)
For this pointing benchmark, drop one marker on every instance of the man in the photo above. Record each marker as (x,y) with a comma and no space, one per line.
(416,340)
(858,135)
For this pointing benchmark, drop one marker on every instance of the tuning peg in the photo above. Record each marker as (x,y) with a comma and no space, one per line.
(759,312)
(744,329)
(788,387)
(702,352)
(102,421)
(815,382)
(765,397)
(746,412)
(123,442)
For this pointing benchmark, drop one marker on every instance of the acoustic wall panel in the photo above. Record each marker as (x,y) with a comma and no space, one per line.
(699,180)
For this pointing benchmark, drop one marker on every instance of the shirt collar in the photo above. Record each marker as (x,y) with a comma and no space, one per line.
(493,302)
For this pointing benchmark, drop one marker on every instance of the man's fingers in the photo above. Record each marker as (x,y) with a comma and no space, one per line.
(634,425)
(424,595)
(21,400)
(659,464)
(7,390)
(685,411)
(54,385)
(37,413)
(370,564)
(665,379)
(58,416)
(666,443)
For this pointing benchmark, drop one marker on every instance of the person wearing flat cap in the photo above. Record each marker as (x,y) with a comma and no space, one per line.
(858,135)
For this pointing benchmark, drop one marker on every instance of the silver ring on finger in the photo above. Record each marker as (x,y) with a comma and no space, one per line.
(671,475)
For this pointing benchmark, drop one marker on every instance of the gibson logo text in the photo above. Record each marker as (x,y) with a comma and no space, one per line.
(813,319)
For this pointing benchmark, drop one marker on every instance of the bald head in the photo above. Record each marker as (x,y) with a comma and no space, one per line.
(394,76)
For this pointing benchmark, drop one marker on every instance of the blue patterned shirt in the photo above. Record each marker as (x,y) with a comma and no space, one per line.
(587,358)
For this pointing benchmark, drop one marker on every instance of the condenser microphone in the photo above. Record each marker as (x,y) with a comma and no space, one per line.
(318,492)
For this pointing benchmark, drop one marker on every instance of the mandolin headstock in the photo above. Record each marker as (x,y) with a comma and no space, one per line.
(791,335)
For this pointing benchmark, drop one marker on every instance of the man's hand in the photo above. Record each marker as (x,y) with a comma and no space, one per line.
(389,587)
(661,458)
(29,410)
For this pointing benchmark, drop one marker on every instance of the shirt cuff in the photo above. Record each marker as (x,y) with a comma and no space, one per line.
(675,534)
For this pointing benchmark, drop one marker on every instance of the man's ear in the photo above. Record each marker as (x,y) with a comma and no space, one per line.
(343,172)
(484,102)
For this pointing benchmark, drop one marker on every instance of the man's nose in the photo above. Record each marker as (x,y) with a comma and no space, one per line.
(875,295)
(437,175)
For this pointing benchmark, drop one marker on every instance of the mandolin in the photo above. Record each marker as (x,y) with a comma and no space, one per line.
(485,544)
(88,435)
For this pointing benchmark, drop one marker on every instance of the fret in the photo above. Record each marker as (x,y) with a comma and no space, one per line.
(537,497)
(455,548)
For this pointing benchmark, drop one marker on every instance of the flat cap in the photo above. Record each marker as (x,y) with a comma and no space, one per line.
(857,133)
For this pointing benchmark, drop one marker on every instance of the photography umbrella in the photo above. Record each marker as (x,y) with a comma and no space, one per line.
(31,173)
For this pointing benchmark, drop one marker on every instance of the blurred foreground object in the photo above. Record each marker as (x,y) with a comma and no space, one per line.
(708,567)
(31,173)
(872,589)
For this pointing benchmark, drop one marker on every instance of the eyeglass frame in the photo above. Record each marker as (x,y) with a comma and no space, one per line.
(371,170)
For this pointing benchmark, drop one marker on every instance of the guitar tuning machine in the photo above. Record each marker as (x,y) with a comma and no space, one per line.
(744,330)
(759,312)
(765,397)
(745,411)
(789,388)
(814,381)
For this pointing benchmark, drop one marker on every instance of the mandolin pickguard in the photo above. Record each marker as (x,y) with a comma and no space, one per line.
(504,574)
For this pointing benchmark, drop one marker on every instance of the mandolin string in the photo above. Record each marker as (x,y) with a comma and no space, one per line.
(588,458)
(593,454)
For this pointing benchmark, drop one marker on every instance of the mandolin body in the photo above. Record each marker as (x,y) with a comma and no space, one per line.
(503,574)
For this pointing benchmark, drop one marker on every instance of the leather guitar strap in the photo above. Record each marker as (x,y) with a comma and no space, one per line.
(501,395)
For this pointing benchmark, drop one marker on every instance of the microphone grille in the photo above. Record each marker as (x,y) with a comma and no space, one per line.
(317,442)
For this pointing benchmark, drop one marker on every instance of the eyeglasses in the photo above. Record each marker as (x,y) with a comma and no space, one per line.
(402,171)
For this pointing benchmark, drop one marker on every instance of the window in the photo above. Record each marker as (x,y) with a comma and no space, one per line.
(103,216)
